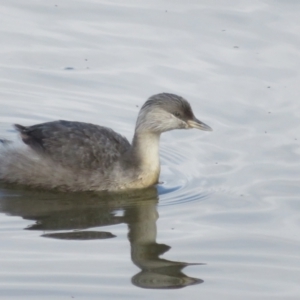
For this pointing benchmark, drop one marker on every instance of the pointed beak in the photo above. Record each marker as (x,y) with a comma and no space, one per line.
(195,123)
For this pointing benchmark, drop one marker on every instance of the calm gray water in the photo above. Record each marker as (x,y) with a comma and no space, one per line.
(224,224)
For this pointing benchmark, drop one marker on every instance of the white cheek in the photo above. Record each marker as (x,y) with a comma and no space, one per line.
(183,124)
(177,123)
(174,121)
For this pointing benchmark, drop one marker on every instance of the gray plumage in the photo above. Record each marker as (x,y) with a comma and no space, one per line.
(77,156)
(76,145)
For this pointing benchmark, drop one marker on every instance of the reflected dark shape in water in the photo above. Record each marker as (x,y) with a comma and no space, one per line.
(157,273)
(73,213)
(80,235)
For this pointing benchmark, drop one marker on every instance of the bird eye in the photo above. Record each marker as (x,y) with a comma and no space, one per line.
(177,114)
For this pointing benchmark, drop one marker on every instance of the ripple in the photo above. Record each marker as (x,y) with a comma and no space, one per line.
(121,54)
(182,180)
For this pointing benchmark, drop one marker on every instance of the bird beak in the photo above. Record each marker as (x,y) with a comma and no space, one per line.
(195,123)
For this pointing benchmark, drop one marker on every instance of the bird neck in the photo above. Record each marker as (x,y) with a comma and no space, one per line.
(140,165)
(145,150)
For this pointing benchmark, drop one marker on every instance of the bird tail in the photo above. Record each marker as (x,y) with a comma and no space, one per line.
(19,127)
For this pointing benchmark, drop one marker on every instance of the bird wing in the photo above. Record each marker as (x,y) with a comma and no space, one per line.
(77,145)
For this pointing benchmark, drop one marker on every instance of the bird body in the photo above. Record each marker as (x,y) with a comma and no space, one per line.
(77,156)
(76,145)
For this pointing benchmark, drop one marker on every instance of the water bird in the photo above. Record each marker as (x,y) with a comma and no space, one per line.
(77,156)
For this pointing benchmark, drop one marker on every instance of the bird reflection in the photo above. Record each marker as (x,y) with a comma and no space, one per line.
(69,216)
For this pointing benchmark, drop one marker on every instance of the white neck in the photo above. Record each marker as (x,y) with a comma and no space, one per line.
(145,146)
(140,167)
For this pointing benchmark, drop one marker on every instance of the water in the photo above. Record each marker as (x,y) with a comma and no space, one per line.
(224,224)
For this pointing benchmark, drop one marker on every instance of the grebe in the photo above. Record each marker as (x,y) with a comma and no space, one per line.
(77,156)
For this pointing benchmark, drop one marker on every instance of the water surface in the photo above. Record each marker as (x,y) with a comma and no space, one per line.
(224,222)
